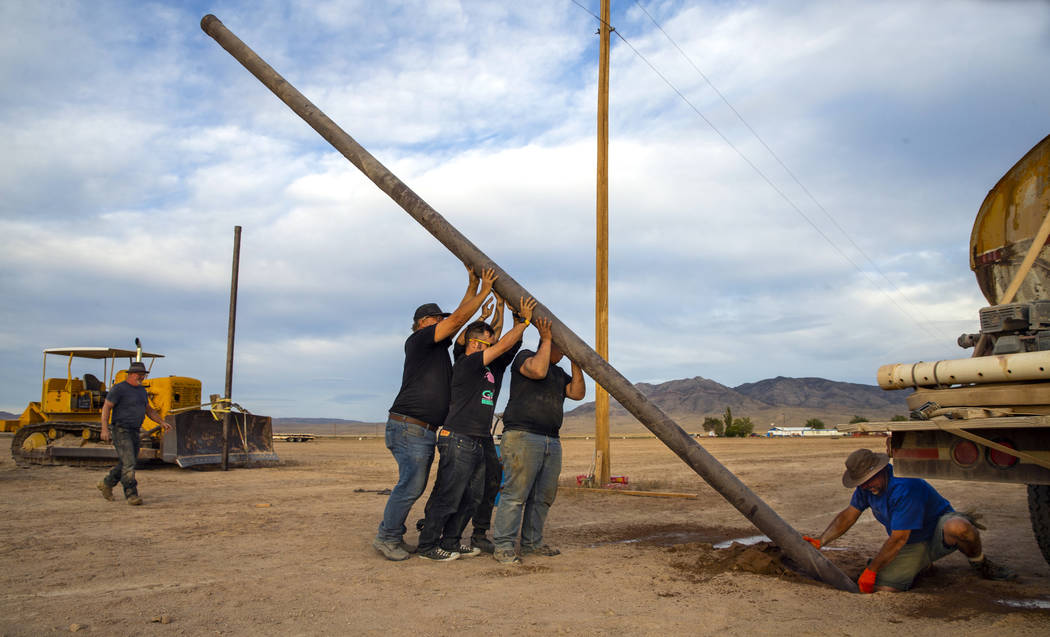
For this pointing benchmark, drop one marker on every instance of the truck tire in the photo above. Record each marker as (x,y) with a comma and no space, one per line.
(1039,513)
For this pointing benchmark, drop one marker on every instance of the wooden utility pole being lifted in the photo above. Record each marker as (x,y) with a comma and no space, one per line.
(602,462)
(806,558)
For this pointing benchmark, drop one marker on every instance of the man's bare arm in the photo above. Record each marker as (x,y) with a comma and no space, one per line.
(536,366)
(106,408)
(155,416)
(486,310)
(842,523)
(497,318)
(513,335)
(451,323)
(893,545)
(576,389)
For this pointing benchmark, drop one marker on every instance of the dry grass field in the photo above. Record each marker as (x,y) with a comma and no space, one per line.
(286,551)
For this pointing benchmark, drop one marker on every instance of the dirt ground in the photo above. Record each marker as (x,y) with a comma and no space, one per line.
(287,551)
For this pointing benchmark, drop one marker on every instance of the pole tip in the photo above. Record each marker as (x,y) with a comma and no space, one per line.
(207,21)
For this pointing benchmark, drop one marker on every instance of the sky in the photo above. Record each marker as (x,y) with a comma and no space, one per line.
(792,185)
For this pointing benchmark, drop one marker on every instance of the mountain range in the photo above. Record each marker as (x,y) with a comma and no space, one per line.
(778,401)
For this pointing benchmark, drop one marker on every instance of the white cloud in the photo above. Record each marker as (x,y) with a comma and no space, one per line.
(137,143)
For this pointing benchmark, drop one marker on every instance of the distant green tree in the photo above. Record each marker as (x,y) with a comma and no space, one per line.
(741,428)
(815,423)
(714,424)
(898,418)
(727,421)
(857,419)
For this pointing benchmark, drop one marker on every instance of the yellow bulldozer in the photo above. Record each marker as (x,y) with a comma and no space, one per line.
(65,427)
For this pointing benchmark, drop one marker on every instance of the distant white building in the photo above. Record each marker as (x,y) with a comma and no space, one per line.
(799,432)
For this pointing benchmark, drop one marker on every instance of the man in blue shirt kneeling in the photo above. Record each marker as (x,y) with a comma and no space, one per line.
(922,526)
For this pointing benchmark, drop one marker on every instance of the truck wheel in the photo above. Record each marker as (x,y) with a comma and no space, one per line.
(1039,512)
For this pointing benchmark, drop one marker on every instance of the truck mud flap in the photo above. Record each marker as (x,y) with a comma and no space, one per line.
(197,440)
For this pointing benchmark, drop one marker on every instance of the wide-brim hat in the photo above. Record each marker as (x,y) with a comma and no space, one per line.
(428,309)
(861,465)
(137,366)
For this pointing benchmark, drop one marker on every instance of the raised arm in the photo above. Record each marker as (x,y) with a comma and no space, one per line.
(467,307)
(497,318)
(575,389)
(513,335)
(535,366)
(486,310)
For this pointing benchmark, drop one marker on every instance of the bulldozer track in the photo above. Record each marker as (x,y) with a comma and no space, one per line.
(42,456)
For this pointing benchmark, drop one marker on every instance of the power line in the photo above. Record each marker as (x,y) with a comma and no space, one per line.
(764,177)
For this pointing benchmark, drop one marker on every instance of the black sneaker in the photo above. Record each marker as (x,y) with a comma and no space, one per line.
(467,551)
(987,569)
(483,543)
(438,554)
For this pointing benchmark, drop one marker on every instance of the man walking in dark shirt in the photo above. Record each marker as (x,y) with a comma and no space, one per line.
(420,408)
(460,441)
(531,448)
(129,406)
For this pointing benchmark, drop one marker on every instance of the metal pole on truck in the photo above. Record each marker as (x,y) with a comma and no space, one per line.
(805,557)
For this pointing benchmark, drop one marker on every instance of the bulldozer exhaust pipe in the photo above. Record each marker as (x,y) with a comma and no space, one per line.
(805,557)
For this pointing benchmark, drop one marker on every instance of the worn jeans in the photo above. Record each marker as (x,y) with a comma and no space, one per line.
(532,464)
(413,449)
(451,502)
(127,444)
(486,488)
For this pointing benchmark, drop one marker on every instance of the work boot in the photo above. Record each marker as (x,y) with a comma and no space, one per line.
(544,549)
(134,500)
(390,550)
(107,491)
(406,547)
(990,570)
(506,556)
(483,543)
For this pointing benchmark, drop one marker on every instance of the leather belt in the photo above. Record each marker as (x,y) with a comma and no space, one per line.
(414,421)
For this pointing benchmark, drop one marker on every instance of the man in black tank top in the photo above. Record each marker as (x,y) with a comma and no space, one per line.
(531,447)
(420,408)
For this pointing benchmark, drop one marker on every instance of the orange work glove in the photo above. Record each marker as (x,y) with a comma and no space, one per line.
(866,581)
(812,540)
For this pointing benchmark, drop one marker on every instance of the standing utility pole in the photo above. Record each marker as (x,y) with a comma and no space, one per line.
(601,310)
(229,351)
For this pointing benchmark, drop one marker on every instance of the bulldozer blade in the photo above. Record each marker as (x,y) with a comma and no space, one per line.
(197,440)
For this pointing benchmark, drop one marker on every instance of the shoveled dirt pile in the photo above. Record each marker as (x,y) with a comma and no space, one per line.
(702,561)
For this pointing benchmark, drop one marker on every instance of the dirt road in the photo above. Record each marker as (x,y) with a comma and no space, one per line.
(286,551)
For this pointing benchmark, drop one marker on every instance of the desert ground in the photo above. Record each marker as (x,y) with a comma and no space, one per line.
(287,550)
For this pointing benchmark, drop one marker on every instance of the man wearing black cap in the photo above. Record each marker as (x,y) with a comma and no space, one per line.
(129,405)
(420,408)
(922,526)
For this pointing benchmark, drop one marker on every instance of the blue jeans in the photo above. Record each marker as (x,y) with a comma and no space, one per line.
(127,444)
(451,502)
(532,464)
(486,488)
(413,449)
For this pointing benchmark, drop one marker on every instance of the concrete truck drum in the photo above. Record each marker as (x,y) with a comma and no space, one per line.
(64,427)
(987,417)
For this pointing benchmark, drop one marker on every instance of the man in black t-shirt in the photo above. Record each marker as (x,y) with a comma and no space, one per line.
(531,448)
(474,383)
(129,405)
(420,408)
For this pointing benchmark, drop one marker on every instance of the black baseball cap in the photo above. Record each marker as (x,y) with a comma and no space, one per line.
(429,309)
